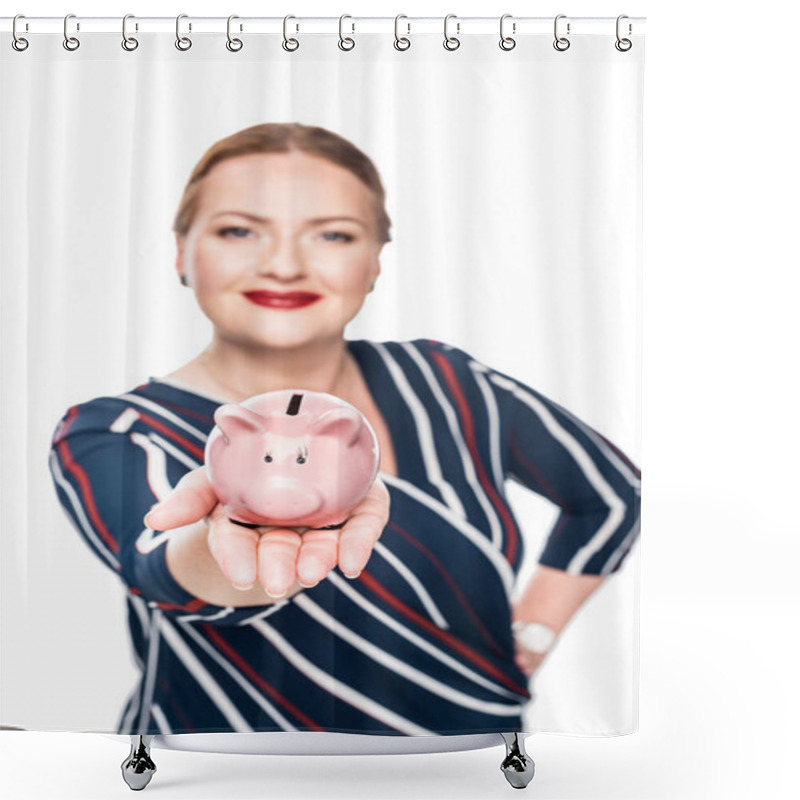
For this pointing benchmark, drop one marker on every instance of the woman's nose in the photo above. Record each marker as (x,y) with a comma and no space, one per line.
(282,257)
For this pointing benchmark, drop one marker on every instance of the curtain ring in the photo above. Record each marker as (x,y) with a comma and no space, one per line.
(234,45)
(182,42)
(401,43)
(451,42)
(506,42)
(18,43)
(128,42)
(346,43)
(289,44)
(561,43)
(623,45)
(70,42)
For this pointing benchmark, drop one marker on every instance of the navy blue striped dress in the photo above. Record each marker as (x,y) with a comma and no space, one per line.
(421,642)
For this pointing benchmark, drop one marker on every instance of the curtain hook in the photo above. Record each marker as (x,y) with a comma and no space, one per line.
(18,43)
(182,42)
(506,42)
(234,45)
(561,43)
(623,45)
(451,42)
(346,43)
(289,44)
(70,42)
(128,42)
(401,43)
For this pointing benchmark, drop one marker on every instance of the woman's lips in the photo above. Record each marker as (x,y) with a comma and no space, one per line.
(282,299)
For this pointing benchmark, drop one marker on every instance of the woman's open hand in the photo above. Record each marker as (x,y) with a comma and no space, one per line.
(271,555)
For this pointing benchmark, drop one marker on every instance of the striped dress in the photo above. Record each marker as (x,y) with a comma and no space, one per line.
(421,642)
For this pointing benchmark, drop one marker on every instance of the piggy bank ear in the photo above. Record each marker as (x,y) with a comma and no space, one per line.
(343,423)
(234,420)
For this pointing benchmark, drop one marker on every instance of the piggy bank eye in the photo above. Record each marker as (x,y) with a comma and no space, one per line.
(301,460)
(268,458)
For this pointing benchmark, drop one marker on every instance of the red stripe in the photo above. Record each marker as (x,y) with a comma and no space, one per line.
(267,688)
(543,482)
(192,605)
(456,589)
(465,650)
(80,476)
(170,696)
(468,427)
(197,452)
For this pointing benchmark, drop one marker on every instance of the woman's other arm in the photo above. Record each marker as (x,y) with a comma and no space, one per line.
(551,597)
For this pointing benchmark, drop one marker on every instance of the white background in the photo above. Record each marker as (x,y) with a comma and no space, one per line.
(719,599)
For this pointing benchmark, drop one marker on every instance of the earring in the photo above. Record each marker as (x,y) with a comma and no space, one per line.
(184,280)
(372,287)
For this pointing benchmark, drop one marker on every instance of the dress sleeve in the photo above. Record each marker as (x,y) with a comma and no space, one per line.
(594,484)
(106,481)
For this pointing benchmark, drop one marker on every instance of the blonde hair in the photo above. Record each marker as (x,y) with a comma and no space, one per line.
(282,137)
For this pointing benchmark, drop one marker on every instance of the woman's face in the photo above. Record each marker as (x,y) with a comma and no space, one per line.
(270,224)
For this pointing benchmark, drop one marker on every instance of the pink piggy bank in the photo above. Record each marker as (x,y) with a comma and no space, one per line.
(291,458)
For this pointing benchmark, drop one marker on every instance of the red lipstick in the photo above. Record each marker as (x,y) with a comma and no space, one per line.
(282,299)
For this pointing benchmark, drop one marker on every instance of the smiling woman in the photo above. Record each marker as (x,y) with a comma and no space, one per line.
(401,622)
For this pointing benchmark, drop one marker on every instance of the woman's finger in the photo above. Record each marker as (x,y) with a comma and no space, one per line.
(235,549)
(363,529)
(192,498)
(277,560)
(318,553)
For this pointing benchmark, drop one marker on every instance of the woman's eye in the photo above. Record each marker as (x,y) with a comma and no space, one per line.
(237,233)
(331,236)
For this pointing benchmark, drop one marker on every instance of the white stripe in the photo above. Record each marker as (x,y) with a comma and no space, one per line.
(264,614)
(334,686)
(402,668)
(415,583)
(463,526)
(412,637)
(467,462)
(163,412)
(123,422)
(248,687)
(175,452)
(616,506)
(152,663)
(144,617)
(156,471)
(493,414)
(592,434)
(423,431)
(204,678)
(160,719)
(221,614)
(617,555)
(85,526)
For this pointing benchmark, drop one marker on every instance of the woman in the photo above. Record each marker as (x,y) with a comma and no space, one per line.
(279,234)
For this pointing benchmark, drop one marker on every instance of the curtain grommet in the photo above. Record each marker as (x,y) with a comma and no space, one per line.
(289,44)
(401,43)
(451,42)
(506,42)
(19,43)
(622,44)
(129,43)
(345,42)
(70,42)
(183,43)
(233,44)
(561,43)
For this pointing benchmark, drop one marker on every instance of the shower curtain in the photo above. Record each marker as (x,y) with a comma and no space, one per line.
(499,343)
